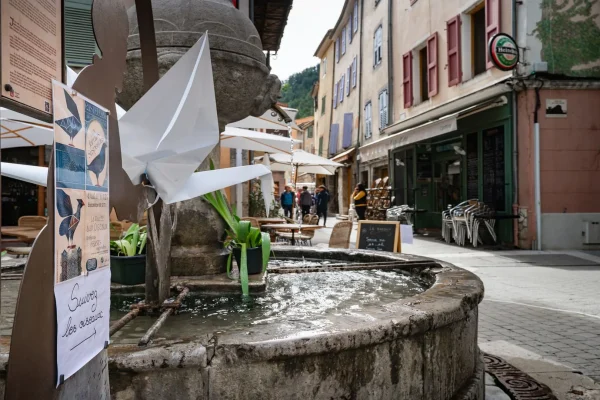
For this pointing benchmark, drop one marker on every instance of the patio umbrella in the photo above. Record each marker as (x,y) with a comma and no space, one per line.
(304,162)
(271,119)
(18,130)
(243,139)
(27,173)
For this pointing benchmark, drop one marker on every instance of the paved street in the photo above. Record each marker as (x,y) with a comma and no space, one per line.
(547,303)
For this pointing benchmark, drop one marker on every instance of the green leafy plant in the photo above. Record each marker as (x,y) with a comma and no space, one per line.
(3,254)
(240,234)
(132,243)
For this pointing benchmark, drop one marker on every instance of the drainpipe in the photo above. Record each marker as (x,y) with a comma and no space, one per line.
(390,63)
(360,105)
(515,155)
(537,162)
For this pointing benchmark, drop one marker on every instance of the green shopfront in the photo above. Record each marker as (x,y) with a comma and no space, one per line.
(474,161)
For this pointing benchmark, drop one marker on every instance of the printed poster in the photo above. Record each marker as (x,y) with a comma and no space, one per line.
(82,229)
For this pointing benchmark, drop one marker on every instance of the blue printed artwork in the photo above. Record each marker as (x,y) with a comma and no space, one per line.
(70,167)
(71,125)
(96,151)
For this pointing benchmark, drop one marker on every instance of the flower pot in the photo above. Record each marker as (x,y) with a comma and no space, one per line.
(128,270)
(253,257)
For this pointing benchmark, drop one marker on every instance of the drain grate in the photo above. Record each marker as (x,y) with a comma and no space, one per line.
(515,382)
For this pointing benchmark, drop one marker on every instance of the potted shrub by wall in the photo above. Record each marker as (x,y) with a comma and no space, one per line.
(128,257)
(250,247)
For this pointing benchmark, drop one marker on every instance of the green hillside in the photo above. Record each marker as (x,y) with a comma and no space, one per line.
(296,91)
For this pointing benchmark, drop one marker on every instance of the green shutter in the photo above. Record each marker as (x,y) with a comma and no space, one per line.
(80,43)
(321,146)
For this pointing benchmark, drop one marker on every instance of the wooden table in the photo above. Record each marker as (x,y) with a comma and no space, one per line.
(293,227)
(264,221)
(24,234)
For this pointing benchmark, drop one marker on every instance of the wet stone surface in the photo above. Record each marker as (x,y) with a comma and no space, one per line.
(293,304)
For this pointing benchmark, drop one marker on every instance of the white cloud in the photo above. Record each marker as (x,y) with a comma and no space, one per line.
(308,22)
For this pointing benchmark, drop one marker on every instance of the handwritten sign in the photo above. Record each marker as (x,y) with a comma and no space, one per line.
(378,235)
(81,231)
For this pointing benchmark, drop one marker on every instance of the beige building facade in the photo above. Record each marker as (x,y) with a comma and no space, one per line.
(323,94)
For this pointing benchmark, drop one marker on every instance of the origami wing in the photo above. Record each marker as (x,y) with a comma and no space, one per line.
(208,181)
(26,173)
(174,126)
(267,185)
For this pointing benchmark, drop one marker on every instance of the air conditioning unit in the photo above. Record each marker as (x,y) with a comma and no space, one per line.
(591,232)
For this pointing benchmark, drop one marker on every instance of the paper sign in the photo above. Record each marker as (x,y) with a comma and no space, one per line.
(81,231)
(406,234)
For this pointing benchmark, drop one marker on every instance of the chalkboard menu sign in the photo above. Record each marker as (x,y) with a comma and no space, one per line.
(424,166)
(493,168)
(378,235)
(472,167)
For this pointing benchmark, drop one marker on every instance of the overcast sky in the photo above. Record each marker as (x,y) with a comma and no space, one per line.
(308,21)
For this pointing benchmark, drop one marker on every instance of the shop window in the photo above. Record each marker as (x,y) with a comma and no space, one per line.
(368,121)
(493,168)
(410,178)
(323,105)
(377,42)
(399,178)
(447,179)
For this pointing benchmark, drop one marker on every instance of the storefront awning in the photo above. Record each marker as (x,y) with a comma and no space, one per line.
(344,156)
(380,148)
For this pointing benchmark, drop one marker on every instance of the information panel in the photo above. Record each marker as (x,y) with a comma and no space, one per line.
(31,51)
(82,223)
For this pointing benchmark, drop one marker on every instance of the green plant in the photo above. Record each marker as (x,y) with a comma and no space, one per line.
(132,243)
(3,254)
(240,234)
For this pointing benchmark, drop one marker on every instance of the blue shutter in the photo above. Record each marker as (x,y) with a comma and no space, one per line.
(333,138)
(347,137)
(335,93)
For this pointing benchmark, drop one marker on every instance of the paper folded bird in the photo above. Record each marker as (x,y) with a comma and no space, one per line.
(72,124)
(70,219)
(173,128)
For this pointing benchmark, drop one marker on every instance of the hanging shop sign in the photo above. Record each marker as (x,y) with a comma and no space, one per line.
(31,53)
(82,223)
(504,52)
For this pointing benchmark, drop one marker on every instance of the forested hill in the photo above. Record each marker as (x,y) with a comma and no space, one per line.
(296,91)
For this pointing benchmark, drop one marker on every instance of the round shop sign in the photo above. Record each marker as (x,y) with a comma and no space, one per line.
(504,52)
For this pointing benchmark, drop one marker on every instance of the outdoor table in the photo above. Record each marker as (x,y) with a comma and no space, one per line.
(293,228)
(25,234)
(263,221)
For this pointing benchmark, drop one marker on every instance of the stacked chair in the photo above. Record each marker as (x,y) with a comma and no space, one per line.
(467,222)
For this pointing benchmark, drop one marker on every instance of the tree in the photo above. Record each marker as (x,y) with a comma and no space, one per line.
(296,91)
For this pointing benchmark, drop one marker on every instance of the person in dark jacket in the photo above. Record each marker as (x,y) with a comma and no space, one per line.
(305,201)
(287,201)
(360,201)
(322,202)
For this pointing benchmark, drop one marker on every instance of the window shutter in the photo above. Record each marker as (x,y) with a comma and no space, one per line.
(348,81)
(335,91)
(337,50)
(407,85)
(341,93)
(80,42)
(333,138)
(384,110)
(492,25)
(454,67)
(432,65)
(379,43)
(355,17)
(354,72)
(343,41)
(347,135)
(349,31)
(368,120)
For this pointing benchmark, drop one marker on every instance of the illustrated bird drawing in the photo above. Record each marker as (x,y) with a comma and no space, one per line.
(71,125)
(98,164)
(70,219)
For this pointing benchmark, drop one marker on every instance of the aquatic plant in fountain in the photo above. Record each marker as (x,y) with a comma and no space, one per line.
(240,234)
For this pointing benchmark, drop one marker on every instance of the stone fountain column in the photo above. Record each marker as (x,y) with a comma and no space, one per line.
(243,86)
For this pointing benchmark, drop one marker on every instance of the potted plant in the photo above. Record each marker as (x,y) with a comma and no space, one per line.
(128,256)
(250,247)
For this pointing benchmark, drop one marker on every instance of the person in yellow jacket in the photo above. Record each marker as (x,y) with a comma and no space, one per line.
(360,201)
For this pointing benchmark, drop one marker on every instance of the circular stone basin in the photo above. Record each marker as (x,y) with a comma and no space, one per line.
(332,324)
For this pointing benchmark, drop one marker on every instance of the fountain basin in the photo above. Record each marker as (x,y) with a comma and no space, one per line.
(419,347)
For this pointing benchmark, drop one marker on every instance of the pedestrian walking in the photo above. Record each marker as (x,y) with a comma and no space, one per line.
(360,201)
(322,203)
(305,201)
(287,201)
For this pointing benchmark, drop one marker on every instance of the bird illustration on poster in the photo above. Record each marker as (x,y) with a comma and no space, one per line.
(71,219)
(98,163)
(72,124)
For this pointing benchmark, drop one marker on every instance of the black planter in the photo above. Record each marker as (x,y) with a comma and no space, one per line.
(253,257)
(128,270)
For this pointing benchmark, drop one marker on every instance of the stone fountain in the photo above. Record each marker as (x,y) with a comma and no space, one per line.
(243,86)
